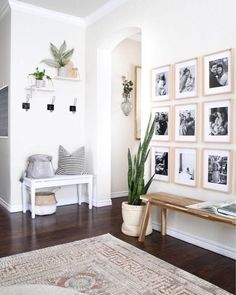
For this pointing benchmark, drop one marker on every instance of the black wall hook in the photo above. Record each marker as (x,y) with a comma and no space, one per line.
(26,105)
(50,106)
(73,107)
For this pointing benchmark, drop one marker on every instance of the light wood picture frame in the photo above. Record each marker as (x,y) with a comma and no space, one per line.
(186,78)
(161,83)
(160,163)
(162,115)
(217,121)
(218,72)
(217,169)
(137,104)
(186,122)
(186,166)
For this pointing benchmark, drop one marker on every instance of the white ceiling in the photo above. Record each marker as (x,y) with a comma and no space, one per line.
(80,8)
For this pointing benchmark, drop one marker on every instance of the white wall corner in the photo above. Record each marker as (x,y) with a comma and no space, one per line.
(104,10)
(51,14)
(3,9)
(198,241)
(10,208)
(4,204)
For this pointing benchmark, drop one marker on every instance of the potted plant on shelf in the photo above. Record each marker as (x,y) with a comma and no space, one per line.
(133,210)
(126,105)
(40,77)
(61,58)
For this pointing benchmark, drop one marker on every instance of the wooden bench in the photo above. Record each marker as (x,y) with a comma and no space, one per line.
(168,201)
(56,181)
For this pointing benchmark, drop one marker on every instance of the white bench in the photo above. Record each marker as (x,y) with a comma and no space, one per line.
(58,180)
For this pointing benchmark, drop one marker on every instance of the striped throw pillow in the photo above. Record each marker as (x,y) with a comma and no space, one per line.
(71,164)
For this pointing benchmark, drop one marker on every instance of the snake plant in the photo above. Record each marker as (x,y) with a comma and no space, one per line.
(61,56)
(136,167)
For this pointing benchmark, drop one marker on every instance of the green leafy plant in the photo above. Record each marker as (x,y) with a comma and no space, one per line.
(61,56)
(127,86)
(40,75)
(136,167)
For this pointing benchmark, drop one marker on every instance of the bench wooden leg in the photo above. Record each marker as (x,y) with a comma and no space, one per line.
(144,223)
(163,221)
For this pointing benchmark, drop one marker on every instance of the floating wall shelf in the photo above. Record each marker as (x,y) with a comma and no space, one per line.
(44,89)
(66,78)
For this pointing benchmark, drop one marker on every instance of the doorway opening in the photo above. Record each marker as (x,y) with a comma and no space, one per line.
(125,129)
(103,151)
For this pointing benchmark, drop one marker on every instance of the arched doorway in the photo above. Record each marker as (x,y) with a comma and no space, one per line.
(102,152)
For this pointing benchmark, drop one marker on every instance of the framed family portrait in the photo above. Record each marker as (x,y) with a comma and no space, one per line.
(185,172)
(160,163)
(216,169)
(161,83)
(162,123)
(185,127)
(217,121)
(186,78)
(218,72)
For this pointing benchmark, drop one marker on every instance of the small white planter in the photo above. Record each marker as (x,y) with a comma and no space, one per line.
(40,83)
(62,72)
(132,219)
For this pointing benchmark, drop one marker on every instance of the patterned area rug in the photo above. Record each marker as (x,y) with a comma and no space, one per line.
(103,265)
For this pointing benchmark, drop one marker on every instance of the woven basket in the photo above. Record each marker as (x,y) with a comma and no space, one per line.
(45,203)
(45,198)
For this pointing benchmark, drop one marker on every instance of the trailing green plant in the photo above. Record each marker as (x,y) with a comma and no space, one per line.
(136,184)
(127,86)
(40,75)
(61,56)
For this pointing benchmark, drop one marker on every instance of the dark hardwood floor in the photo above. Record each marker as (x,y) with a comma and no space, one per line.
(19,233)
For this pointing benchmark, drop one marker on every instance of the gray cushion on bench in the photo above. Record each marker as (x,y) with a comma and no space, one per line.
(71,164)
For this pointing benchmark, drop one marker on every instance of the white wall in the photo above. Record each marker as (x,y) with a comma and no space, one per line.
(125,57)
(38,130)
(171,31)
(5,49)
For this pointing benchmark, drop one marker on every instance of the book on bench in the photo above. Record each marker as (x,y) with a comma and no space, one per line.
(228,210)
(220,208)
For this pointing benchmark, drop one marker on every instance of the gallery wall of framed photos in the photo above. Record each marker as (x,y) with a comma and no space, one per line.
(194,137)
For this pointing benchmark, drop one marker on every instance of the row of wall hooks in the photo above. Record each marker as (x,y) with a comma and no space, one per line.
(50,106)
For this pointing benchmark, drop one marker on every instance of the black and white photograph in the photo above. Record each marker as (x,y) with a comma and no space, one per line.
(217,121)
(160,83)
(162,121)
(160,163)
(186,79)
(218,72)
(185,166)
(186,122)
(216,169)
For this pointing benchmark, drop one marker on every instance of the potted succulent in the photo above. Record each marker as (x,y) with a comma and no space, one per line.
(40,77)
(133,210)
(126,105)
(61,58)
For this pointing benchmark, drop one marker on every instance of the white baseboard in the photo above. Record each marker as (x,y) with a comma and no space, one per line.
(119,194)
(198,241)
(4,204)
(10,208)
(102,203)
